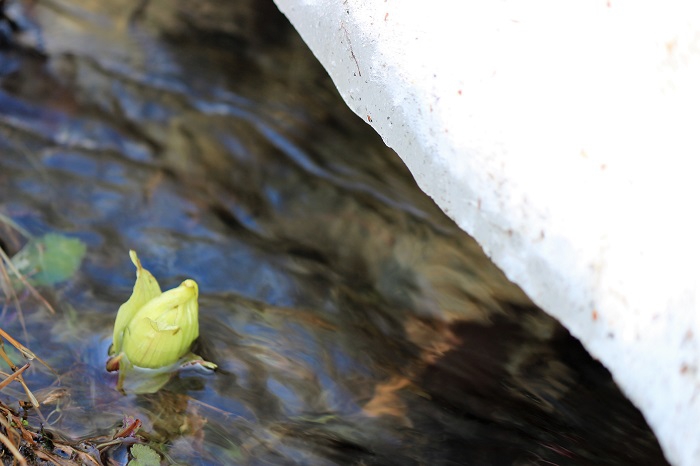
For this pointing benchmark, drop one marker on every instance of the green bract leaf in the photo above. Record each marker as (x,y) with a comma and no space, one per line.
(145,289)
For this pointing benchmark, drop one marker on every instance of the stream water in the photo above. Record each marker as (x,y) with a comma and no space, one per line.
(352,322)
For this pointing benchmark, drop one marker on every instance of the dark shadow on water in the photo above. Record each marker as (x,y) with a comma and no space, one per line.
(539,393)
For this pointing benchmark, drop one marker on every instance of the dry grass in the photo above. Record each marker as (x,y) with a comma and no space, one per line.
(21,443)
(12,430)
(15,437)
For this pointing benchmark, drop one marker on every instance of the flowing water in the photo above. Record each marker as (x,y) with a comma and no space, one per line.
(352,322)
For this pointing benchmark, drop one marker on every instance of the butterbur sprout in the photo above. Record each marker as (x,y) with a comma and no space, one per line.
(163,330)
(154,331)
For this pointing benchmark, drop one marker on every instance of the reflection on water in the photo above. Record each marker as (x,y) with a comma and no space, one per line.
(352,322)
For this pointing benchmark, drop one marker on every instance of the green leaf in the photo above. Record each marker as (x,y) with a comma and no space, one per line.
(50,259)
(144,456)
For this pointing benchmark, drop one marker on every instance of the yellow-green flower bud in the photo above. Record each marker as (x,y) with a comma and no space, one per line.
(155,329)
(163,330)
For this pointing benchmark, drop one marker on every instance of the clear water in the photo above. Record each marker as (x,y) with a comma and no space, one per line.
(353,323)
